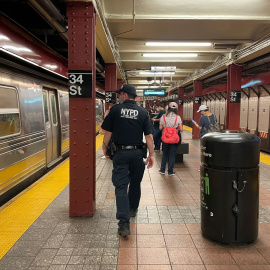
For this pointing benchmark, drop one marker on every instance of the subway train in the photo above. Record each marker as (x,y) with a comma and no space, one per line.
(34,124)
(254,107)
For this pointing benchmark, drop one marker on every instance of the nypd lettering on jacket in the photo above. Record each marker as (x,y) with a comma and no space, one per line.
(129,113)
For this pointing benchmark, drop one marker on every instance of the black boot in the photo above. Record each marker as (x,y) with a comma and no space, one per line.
(124,230)
(133,212)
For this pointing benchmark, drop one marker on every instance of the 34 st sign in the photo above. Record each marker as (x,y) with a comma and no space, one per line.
(80,83)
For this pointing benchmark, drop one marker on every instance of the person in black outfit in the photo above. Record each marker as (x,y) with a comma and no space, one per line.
(157,132)
(127,122)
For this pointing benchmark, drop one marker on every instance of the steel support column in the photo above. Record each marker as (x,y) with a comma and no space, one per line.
(197,100)
(120,83)
(110,79)
(181,102)
(233,97)
(82,115)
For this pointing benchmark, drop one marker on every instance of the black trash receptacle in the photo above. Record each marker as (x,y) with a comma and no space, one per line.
(230,187)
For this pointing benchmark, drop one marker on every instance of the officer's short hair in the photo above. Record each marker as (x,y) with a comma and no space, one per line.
(159,105)
(131,96)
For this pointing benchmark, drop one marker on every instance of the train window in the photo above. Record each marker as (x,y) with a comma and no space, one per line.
(54,112)
(10,123)
(45,104)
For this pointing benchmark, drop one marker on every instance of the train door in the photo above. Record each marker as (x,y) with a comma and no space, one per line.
(243,112)
(252,112)
(52,126)
(263,117)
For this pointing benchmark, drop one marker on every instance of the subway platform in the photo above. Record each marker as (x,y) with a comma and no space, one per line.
(36,232)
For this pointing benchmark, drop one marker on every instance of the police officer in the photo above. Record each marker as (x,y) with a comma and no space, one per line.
(127,122)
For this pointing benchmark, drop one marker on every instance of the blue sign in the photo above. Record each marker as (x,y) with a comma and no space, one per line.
(154,92)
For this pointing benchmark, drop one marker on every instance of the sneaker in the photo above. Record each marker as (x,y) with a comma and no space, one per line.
(157,150)
(124,230)
(161,172)
(103,157)
(171,174)
(133,212)
(199,169)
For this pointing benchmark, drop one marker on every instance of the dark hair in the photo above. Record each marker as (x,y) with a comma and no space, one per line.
(131,96)
(174,110)
(159,105)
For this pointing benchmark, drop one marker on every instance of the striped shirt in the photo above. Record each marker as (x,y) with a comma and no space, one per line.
(170,119)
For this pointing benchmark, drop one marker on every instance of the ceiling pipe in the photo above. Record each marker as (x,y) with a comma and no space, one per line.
(100,69)
(133,22)
(216,77)
(246,67)
(47,10)
(256,63)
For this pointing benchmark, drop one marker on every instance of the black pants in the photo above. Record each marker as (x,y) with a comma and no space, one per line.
(128,169)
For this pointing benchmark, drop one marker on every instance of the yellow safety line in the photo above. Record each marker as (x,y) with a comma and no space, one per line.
(19,215)
(264,158)
(187,128)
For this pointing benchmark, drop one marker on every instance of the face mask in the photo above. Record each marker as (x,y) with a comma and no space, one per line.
(120,100)
(157,110)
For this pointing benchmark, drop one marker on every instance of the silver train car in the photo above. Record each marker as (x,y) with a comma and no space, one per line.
(34,125)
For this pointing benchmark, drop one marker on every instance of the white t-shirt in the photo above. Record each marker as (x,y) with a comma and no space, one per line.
(170,120)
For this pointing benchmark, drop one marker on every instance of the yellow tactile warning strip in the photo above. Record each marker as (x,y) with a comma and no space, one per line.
(19,215)
(264,158)
(187,128)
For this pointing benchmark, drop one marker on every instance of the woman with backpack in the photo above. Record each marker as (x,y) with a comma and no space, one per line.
(171,124)
(207,123)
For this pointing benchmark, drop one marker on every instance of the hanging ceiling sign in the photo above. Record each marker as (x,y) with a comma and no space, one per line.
(154,92)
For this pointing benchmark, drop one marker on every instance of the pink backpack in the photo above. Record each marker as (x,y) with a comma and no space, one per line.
(170,134)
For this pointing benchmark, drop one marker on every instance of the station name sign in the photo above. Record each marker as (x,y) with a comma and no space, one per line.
(80,83)
(154,92)
(110,97)
(235,96)
(198,100)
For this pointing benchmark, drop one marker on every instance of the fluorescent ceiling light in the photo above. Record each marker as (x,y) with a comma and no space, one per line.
(157,72)
(170,55)
(180,44)
(157,68)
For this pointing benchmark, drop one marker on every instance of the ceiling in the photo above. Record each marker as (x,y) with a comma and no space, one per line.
(229,26)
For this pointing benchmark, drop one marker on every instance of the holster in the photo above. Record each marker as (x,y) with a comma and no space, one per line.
(111,149)
(144,150)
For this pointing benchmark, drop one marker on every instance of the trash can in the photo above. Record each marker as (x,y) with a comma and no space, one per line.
(229,186)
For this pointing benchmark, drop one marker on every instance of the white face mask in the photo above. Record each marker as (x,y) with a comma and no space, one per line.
(120,101)
(157,109)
